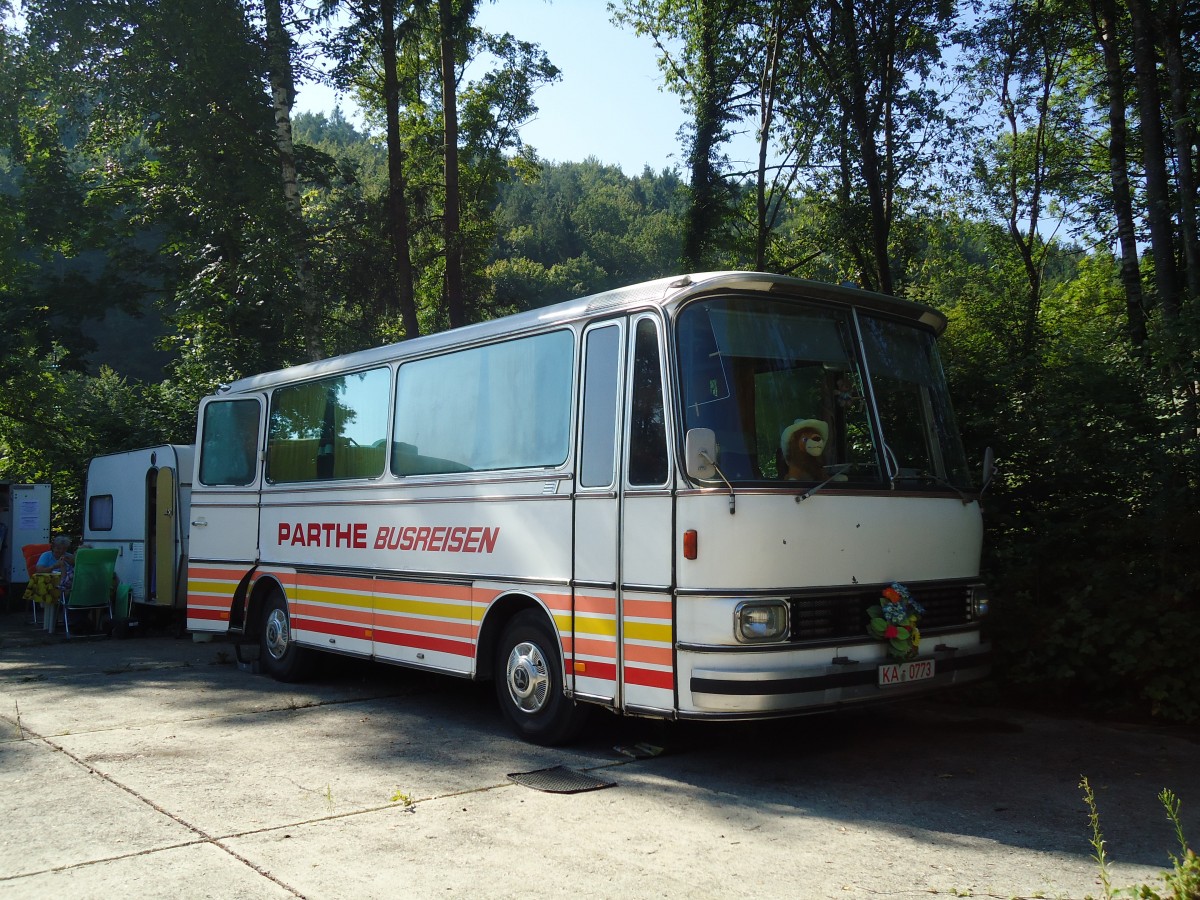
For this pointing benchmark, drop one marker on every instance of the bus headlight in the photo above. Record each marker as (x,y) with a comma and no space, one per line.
(980,601)
(760,620)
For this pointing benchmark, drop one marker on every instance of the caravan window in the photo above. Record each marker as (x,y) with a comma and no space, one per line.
(100,512)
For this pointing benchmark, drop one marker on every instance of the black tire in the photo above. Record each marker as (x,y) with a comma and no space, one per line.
(280,656)
(529,683)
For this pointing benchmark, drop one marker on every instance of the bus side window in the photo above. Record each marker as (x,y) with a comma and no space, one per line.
(229,446)
(602,353)
(647,421)
(329,429)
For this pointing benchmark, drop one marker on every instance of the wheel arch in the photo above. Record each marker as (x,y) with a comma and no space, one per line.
(499,613)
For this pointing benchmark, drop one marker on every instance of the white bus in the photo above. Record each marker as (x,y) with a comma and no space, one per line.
(683,499)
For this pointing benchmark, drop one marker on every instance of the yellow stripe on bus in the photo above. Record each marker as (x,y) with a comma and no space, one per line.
(644,631)
(425,608)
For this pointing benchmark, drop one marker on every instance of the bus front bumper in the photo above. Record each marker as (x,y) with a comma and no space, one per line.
(740,684)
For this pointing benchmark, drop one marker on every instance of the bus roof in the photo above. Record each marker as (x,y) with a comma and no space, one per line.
(660,293)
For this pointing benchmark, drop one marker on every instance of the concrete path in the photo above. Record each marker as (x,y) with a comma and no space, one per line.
(154,767)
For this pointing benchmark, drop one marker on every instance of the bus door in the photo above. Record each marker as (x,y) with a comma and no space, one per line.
(645,625)
(622,634)
(592,660)
(224,519)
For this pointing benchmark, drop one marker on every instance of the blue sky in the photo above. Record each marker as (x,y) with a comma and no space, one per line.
(608,103)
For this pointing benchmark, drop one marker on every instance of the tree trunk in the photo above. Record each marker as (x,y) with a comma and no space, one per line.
(766,118)
(283,94)
(1158,194)
(1184,119)
(864,130)
(451,229)
(1105,23)
(403,293)
(703,216)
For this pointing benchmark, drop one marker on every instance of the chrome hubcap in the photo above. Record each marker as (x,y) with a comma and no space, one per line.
(276,633)
(528,677)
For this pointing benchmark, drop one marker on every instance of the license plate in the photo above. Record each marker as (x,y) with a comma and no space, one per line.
(903,673)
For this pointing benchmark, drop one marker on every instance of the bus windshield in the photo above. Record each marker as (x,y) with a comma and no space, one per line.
(783,387)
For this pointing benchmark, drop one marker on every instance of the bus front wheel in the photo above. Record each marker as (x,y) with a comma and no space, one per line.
(281,657)
(529,683)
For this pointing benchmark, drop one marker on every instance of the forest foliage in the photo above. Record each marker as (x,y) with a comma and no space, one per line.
(1026,166)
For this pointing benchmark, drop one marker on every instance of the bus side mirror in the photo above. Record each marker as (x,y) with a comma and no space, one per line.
(700,453)
(989,469)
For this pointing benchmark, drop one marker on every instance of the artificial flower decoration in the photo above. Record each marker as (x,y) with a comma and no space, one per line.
(894,620)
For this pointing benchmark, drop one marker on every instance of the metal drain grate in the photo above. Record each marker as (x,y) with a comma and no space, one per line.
(560,780)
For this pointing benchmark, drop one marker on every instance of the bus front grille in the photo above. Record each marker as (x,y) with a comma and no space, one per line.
(841,615)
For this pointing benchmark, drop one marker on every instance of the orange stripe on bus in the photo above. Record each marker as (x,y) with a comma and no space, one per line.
(602,605)
(386,588)
(587,647)
(659,656)
(648,609)
(560,603)
(335,613)
(232,575)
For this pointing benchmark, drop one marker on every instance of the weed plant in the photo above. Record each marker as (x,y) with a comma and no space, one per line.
(1181,882)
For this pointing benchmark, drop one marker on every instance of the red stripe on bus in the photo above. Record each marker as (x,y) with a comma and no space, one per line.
(215,615)
(299,623)
(598,670)
(412,623)
(424,642)
(649,678)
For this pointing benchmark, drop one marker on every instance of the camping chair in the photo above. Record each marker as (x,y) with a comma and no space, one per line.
(92,587)
(32,553)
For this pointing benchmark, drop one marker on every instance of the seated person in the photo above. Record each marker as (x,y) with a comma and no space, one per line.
(58,558)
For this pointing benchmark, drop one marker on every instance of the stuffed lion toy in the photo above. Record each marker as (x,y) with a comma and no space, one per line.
(803,445)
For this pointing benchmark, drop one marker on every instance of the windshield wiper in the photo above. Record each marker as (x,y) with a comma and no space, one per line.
(841,470)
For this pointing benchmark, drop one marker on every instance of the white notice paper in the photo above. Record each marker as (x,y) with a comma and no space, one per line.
(29,517)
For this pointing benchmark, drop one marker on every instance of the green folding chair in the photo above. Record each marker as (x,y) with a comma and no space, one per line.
(92,586)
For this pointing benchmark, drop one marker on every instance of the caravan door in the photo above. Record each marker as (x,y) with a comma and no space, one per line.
(164,533)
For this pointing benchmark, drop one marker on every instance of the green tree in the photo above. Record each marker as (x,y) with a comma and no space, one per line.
(1021,55)
(701,45)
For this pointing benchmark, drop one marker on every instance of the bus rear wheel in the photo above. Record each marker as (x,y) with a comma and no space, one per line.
(529,683)
(281,657)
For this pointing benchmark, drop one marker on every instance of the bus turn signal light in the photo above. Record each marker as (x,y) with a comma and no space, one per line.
(690,543)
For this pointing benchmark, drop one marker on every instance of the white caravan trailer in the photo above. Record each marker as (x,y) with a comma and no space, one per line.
(718,496)
(139,501)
